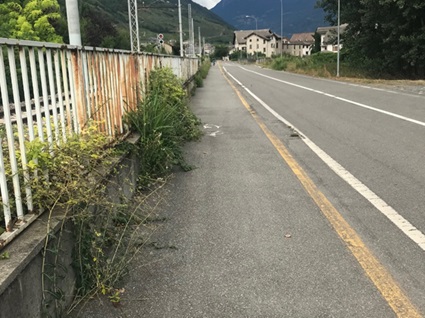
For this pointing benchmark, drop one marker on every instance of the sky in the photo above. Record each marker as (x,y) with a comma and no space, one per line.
(207,3)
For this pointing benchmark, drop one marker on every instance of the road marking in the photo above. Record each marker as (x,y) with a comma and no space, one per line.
(340,99)
(404,225)
(381,278)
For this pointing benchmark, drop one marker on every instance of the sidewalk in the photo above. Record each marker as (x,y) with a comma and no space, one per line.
(246,239)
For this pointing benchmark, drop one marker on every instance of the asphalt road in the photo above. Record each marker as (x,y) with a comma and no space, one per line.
(251,242)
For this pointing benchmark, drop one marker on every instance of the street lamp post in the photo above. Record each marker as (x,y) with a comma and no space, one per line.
(281,28)
(339,37)
(256,29)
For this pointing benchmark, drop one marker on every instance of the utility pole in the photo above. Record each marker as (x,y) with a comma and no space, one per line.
(189,9)
(339,37)
(281,28)
(199,40)
(192,36)
(133,21)
(180,29)
(256,29)
(73,17)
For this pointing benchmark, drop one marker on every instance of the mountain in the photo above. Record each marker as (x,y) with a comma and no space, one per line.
(105,22)
(298,15)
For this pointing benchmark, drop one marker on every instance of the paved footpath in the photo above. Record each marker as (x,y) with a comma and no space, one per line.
(247,239)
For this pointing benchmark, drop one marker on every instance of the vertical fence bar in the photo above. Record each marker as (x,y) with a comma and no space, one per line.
(20,124)
(123,86)
(60,95)
(45,93)
(100,107)
(68,116)
(91,90)
(108,93)
(53,99)
(119,106)
(105,90)
(36,92)
(3,187)
(10,136)
(72,79)
(27,94)
(79,86)
(112,94)
(87,107)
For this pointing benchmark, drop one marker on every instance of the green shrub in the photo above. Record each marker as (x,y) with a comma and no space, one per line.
(205,68)
(199,80)
(279,64)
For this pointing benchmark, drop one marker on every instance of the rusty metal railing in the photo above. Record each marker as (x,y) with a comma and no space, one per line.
(49,91)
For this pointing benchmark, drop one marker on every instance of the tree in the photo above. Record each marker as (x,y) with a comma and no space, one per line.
(220,51)
(387,36)
(30,20)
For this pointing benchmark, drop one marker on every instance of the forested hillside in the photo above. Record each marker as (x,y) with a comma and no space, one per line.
(104,23)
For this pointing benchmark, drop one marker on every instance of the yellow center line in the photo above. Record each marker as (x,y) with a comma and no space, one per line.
(377,273)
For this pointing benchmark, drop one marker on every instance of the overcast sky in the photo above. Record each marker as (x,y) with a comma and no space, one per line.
(207,3)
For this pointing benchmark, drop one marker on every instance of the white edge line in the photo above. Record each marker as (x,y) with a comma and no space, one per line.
(340,98)
(404,225)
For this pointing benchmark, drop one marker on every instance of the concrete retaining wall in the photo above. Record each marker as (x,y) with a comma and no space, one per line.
(21,274)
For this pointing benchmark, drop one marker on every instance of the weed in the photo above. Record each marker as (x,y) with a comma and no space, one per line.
(164,122)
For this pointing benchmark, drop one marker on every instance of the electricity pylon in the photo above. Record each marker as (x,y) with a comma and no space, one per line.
(133,21)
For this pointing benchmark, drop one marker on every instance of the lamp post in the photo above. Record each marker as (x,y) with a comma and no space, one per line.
(339,37)
(256,29)
(281,28)
(180,28)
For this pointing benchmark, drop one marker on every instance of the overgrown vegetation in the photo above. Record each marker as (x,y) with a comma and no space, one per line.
(203,72)
(318,64)
(164,122)
(68,184)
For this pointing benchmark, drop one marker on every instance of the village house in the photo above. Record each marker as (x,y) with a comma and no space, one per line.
(257,41)
(300,44)
(329,37)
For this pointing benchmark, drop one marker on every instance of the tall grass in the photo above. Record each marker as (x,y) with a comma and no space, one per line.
(202,73)
(164,122)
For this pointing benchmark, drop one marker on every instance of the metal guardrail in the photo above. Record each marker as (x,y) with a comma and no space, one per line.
(50,90)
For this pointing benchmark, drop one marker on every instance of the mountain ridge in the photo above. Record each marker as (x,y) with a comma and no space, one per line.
(298,16)
(105,22)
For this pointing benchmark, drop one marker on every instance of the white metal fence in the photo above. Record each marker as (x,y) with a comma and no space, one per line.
(48,91)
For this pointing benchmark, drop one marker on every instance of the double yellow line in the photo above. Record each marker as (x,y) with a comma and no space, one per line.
(381,278)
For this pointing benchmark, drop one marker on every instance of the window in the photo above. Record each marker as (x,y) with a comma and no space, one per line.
(264,50)
(258,40)
(250,40)
(264,41)
(250,46)
(277,45)
(258,46)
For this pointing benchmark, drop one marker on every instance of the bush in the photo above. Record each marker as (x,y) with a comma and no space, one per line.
(279,64)
(205,68)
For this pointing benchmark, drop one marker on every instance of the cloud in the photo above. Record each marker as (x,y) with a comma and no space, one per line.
(207,3)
